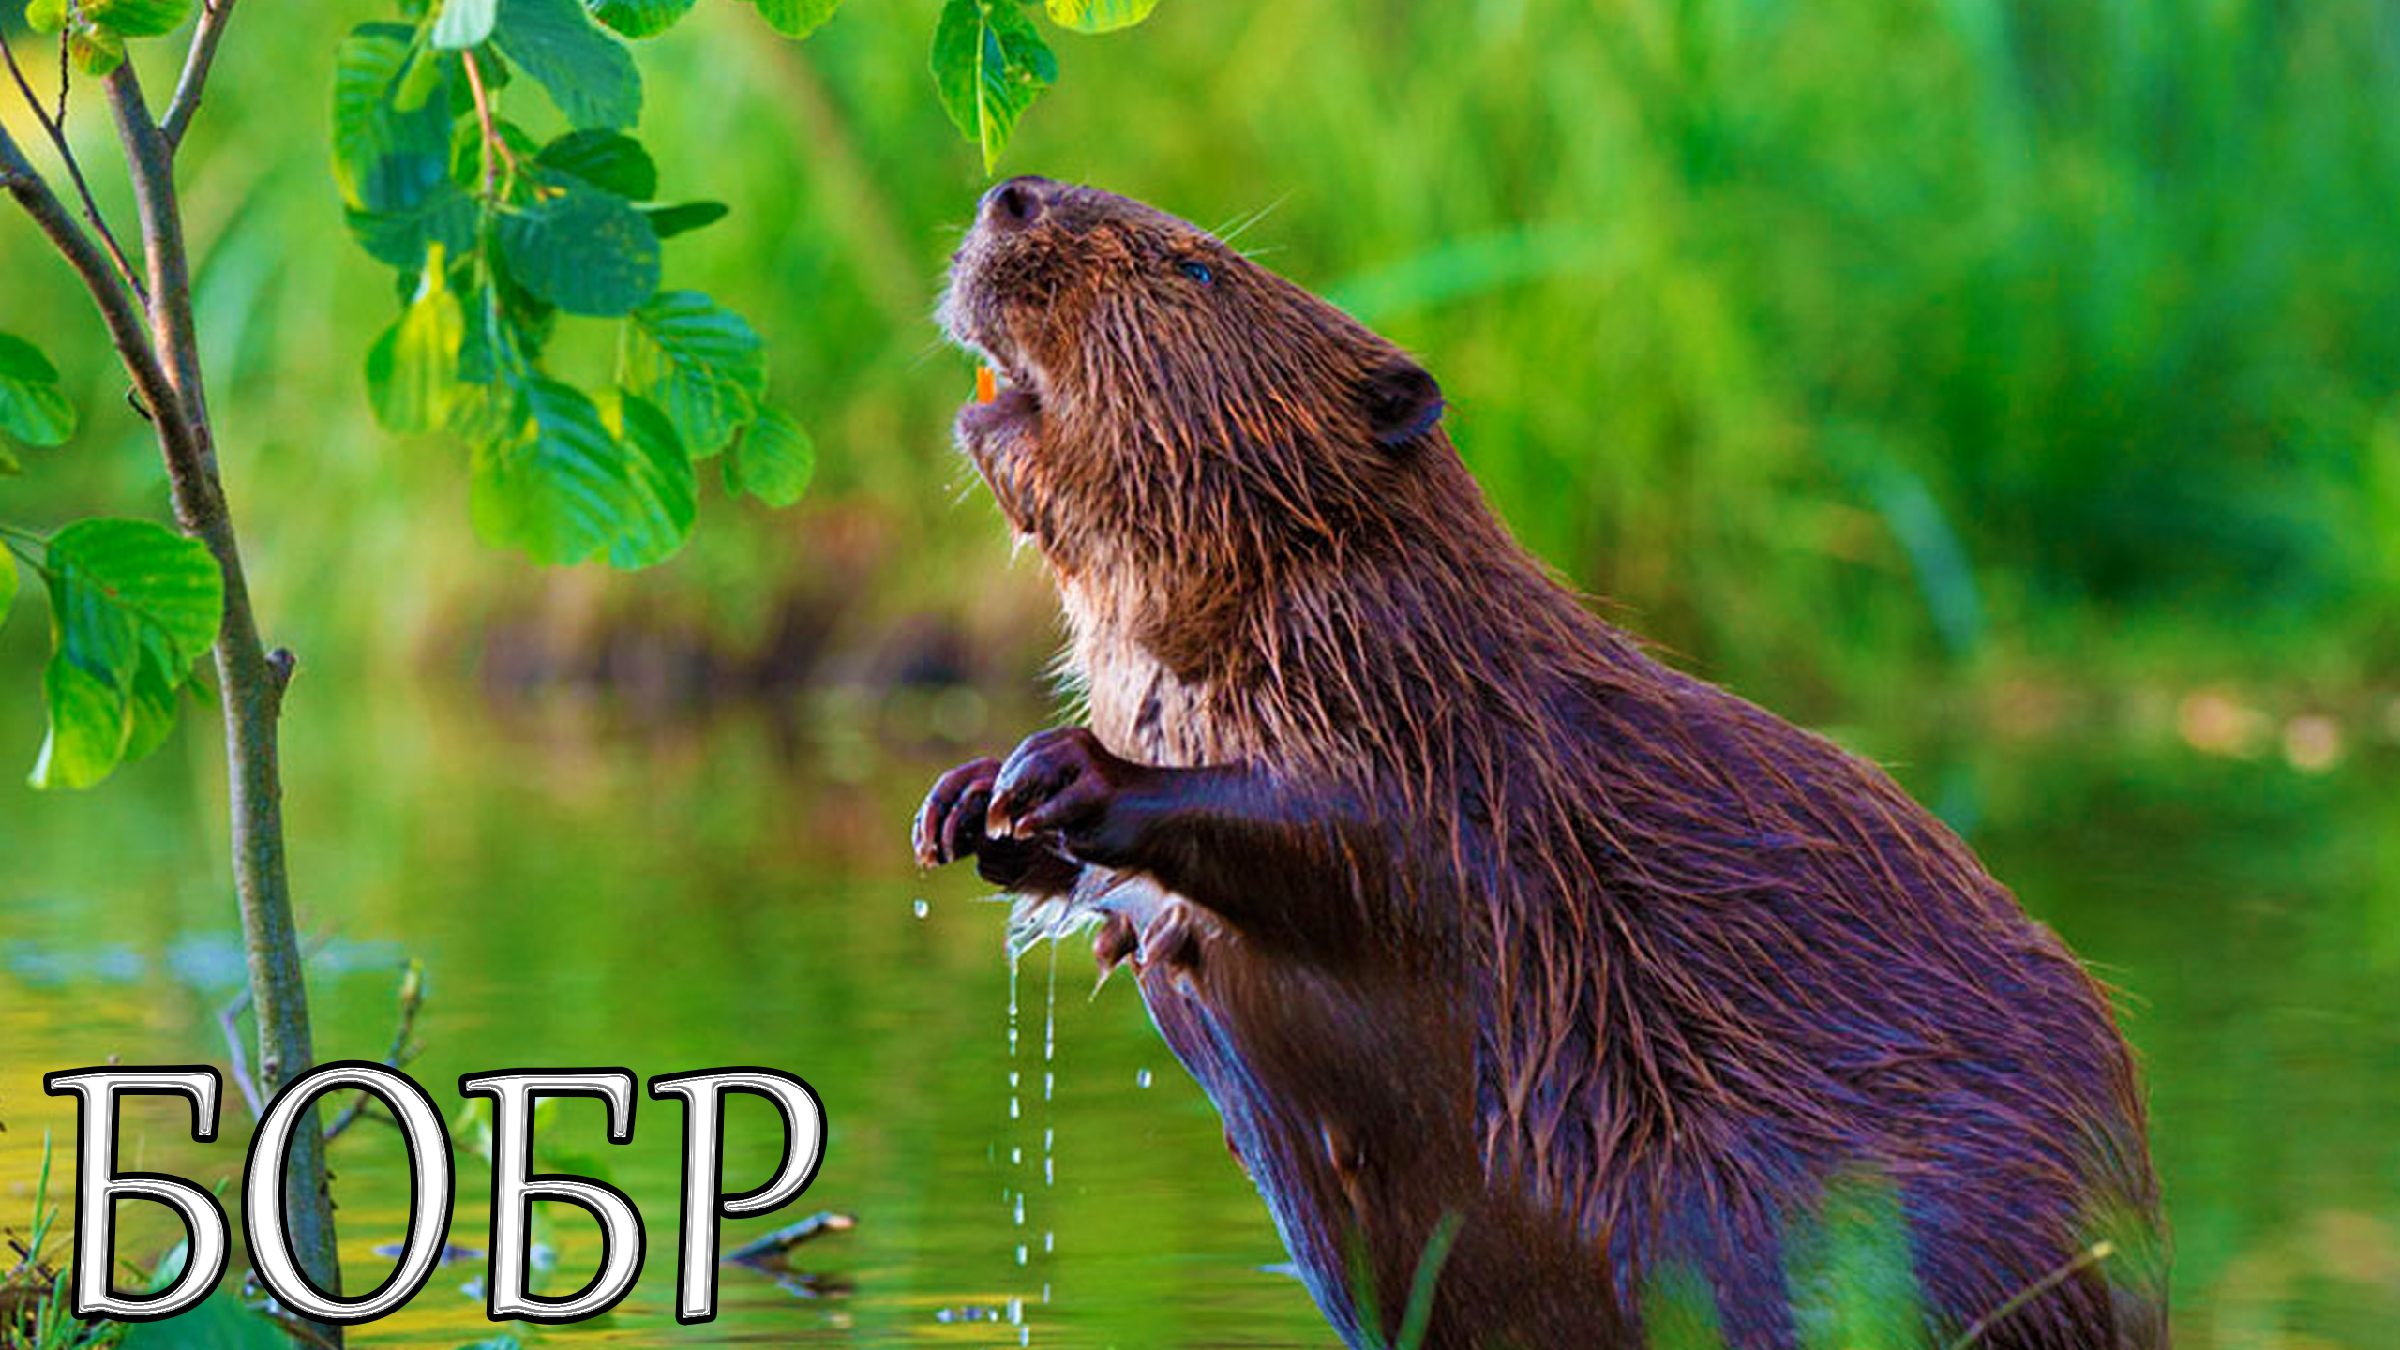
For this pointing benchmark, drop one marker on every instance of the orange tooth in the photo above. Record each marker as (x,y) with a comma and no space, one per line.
(987,384)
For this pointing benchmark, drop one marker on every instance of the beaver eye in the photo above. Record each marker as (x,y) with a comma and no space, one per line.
(1196,270)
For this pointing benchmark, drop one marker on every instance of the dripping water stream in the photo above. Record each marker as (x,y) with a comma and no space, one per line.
(1015,1194)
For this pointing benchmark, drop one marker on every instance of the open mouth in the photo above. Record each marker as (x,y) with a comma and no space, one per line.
(1005,397)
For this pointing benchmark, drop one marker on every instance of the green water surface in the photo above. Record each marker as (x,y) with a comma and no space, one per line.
(584,893)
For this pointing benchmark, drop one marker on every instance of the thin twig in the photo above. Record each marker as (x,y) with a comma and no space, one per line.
(791,1235)
(227,1019)
(126,330)
(2097,1252)
(196,64)
(491,133)
(55,126)
(412,997)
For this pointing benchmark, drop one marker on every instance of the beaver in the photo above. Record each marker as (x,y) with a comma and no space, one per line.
(1512,958)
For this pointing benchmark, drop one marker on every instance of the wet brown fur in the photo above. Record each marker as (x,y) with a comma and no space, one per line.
(1666,965)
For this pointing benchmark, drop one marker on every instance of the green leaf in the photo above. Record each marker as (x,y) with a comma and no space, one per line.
(589,75)
(389,161)
(88,729)
(1679,1309)
(463,24)
(220,1322)
(585,251)
(8,583)
(639,18)
(1098,16)
(150,702)
(95,51)
(96,29)
(137,18)
(701,363)
(683,218)
(796,18)
(401,238)
(132,606)
(773,461)
(665,497)
(989,63)
(32,406)
(559,490)
(1850,1269)
(424,77)
(412,370)
(608,160)
(163,580)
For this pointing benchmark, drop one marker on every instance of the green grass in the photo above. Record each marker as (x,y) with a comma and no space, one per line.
(33,1295)
(1837,342)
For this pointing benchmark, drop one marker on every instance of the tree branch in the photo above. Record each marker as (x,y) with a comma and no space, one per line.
(196,65)
(404,1047)
(250,693)
(117,313)
(163,358)
(233,1049)
(55,126)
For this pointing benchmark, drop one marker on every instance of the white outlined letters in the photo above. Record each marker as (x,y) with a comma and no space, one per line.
(704,1166)
(432,1180)
(621,1239)
(98,1185)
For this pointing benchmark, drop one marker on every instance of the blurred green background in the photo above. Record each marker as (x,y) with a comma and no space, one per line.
(2011,390)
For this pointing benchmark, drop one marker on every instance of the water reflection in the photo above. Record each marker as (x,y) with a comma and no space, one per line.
(669,902)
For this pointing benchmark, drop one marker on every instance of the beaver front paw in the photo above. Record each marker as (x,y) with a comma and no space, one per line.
(950,826)
(1064,783)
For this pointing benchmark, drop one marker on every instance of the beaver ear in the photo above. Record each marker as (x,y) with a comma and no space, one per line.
(1402,401)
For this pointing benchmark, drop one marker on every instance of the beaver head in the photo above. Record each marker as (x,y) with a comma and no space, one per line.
(1160,386)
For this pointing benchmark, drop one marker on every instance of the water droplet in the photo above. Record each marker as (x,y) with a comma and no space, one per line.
(1016,1157)
(1022,1254)
(922,909)
(1142,1079)
(1049,1244)
(1020,1215)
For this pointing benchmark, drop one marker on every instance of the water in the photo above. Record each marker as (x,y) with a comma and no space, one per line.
(668,903)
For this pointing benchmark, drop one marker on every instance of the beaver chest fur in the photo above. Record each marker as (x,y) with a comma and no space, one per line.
(1471,918)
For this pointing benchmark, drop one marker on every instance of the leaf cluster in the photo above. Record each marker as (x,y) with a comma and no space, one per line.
(494,237)
(990,62)
(96,30)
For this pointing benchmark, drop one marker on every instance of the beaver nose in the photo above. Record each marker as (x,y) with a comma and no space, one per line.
(1017,203)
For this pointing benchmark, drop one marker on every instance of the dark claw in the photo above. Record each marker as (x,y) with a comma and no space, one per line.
(1059,780)
(950,826)
(941,833)
(1115,942)
(962,834)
